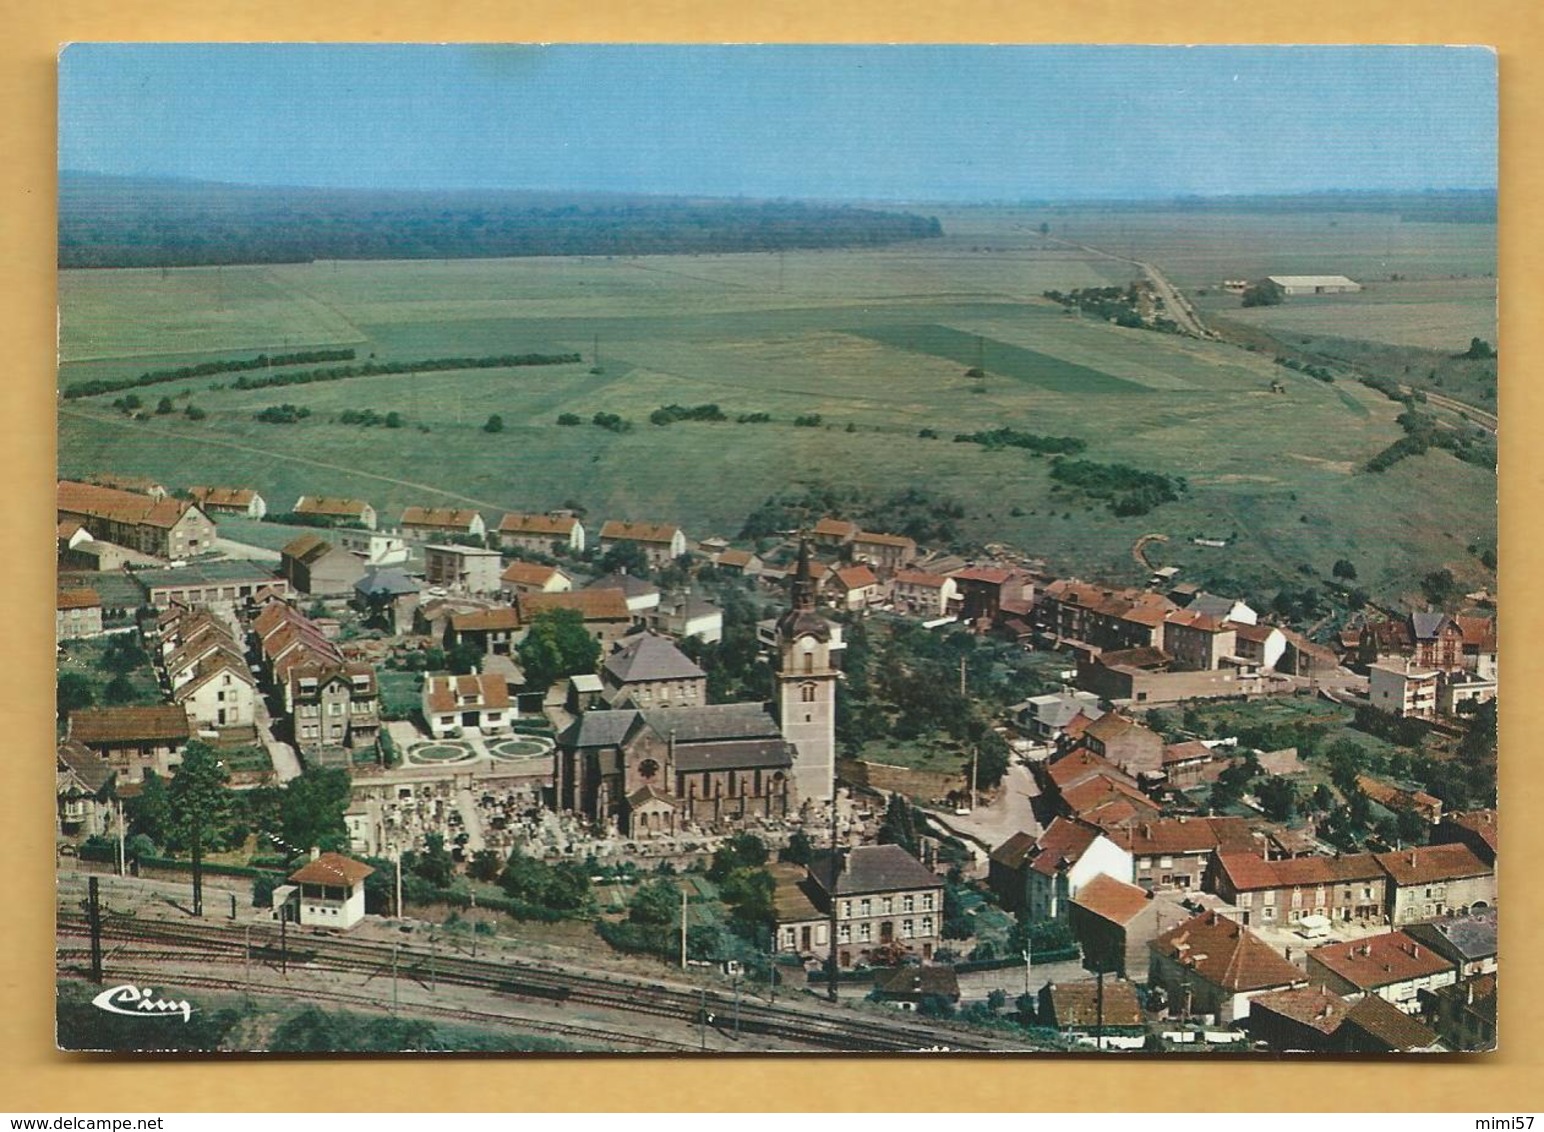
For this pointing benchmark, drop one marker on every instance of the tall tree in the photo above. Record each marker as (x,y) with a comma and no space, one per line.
(200,802)
(311,811)
(558,646)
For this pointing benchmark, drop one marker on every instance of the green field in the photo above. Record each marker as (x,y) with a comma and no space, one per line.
(875,341)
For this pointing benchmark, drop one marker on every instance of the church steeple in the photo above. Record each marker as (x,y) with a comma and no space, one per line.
(803,582)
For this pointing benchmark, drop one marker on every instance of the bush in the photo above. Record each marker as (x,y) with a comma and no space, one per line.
(495,423)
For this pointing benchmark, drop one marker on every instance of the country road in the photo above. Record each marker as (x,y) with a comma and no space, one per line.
(1178,307)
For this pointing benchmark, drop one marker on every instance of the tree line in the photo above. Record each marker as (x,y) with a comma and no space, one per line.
(208,369)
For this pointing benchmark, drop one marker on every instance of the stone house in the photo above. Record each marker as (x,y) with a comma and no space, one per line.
(1347,889)
(230,501)
(1392,966)
(662,543)
(1211,965)
(84,789)
(650,672)
(452,704)
(1436,880)
(443,522)
(133,740)
(540,534)
(78,614)
(923,594)
(316,567)
(463,569)
(888,903)
(1039,876)
(336,512)
(163,528)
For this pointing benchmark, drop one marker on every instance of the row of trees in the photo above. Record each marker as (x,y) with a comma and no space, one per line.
(1127,490)
(207,369)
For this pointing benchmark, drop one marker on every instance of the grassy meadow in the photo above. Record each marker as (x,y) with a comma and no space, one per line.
(875,341)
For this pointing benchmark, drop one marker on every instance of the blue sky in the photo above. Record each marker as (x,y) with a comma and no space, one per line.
(894,123)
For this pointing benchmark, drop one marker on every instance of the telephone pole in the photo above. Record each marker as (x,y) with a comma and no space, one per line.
(683,929)
(836,873)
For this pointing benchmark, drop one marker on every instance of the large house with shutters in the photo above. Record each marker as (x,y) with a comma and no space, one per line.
(442,522)
(540,534)
(662,543)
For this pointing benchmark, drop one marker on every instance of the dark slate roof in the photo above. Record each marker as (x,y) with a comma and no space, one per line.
(599,729)
(932,979)
(874,868)
(1384,1022)
(1212,605)
(649,657)
(388,581)
(743,754)
(713,722)
(629,584)
(1462,939)
(1426,624)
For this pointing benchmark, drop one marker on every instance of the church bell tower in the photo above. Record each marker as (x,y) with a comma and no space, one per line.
(808,647)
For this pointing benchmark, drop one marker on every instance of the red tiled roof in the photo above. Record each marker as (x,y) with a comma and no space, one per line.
(93,726)
(840,528)
(1087,798)
(618,529)
(1078,1004)
(332,869)
(593,605)
(1479,632)
(485,620)
(78,599)
(322,505)
(223,496)
(1078,766)
(1113,900)
(1259,634)
(1382,1020)
(920,578)
(856,577)
(528,574)
(1203,622)
(868,538)
(1380,960)
(516,523)
(1186,752)
(1308,1006)
(1185,835)
(1486,823)
(1428,864)
(991,575)
(446,693)
(1226,954)
(1249,872)
(442,517)
(120,506)
(1061,846)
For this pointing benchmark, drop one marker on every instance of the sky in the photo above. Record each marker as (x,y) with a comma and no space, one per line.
(945,123)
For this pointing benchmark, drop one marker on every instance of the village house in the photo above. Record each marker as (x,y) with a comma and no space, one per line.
(1198,601)
(907,987)
(800,928)
(443,522)
(642,595)
(1088,619)
(1392,797)
(332,702)
(373,548)
(986,591)
(885,553)
(1303,657)
(78,614)
(682,615)
(1198,641)
(330,891)
(1392,966)
(492,631)
(605,613)
(1213,966)
(1464,1013)
(1113,923)
(229,501)
(163,528)
(138,485)
(1427,881)
(1468,942)
(1480,830)
(1125,743)
(133,740)
(1043,717)
(533,578)
(1082,784)
(1192,763)
(888,904)
(650,672)
(1461,692)
(922,594)
(317,568)
(541,534)
(650,773)
(1038,877)
(1172,854)
(463,569)
(1349,888)
(452,704)
(853,588)
(334,512)
(1263,646)
(388,598)
(833,534)
(84,793)
(661,543)
(739,563)
(1084,1006)
(1313,1020)
(221,697)
(1403,689)
(226,585)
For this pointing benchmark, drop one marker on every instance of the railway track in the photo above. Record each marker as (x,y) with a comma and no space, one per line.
(554,985)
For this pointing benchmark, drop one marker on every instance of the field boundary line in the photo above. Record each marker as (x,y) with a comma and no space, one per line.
(103,418)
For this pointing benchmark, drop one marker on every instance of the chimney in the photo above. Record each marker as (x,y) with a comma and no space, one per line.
(1415,951)
(1469,993)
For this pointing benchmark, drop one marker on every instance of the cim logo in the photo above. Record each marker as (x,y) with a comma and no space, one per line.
(129,1000)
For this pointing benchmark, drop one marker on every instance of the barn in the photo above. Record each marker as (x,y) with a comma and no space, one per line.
(1315,284)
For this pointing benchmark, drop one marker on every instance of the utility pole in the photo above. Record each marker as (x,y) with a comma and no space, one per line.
(737,1007)
(123,860)
(683,929)
(94,917)
(1099,1010)
(1028,947)
(283,941)
(432,953)
(975,753)
(246,961)
(399,883)
(702,1018)
(393,977)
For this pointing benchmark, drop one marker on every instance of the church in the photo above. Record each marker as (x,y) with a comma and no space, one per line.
(659,759)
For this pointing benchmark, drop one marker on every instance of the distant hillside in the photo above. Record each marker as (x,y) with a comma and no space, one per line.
(133,222)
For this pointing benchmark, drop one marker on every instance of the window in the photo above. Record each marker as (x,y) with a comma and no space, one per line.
(887,905)
(1270,897)
(908,903)
(927,903)
(807,693)
(846,909)
(844,933)
(1245,899)
(334,708)
(908,929)
(865,932)
(927,925)
(1165,862)
(864,908)
(1144,862)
